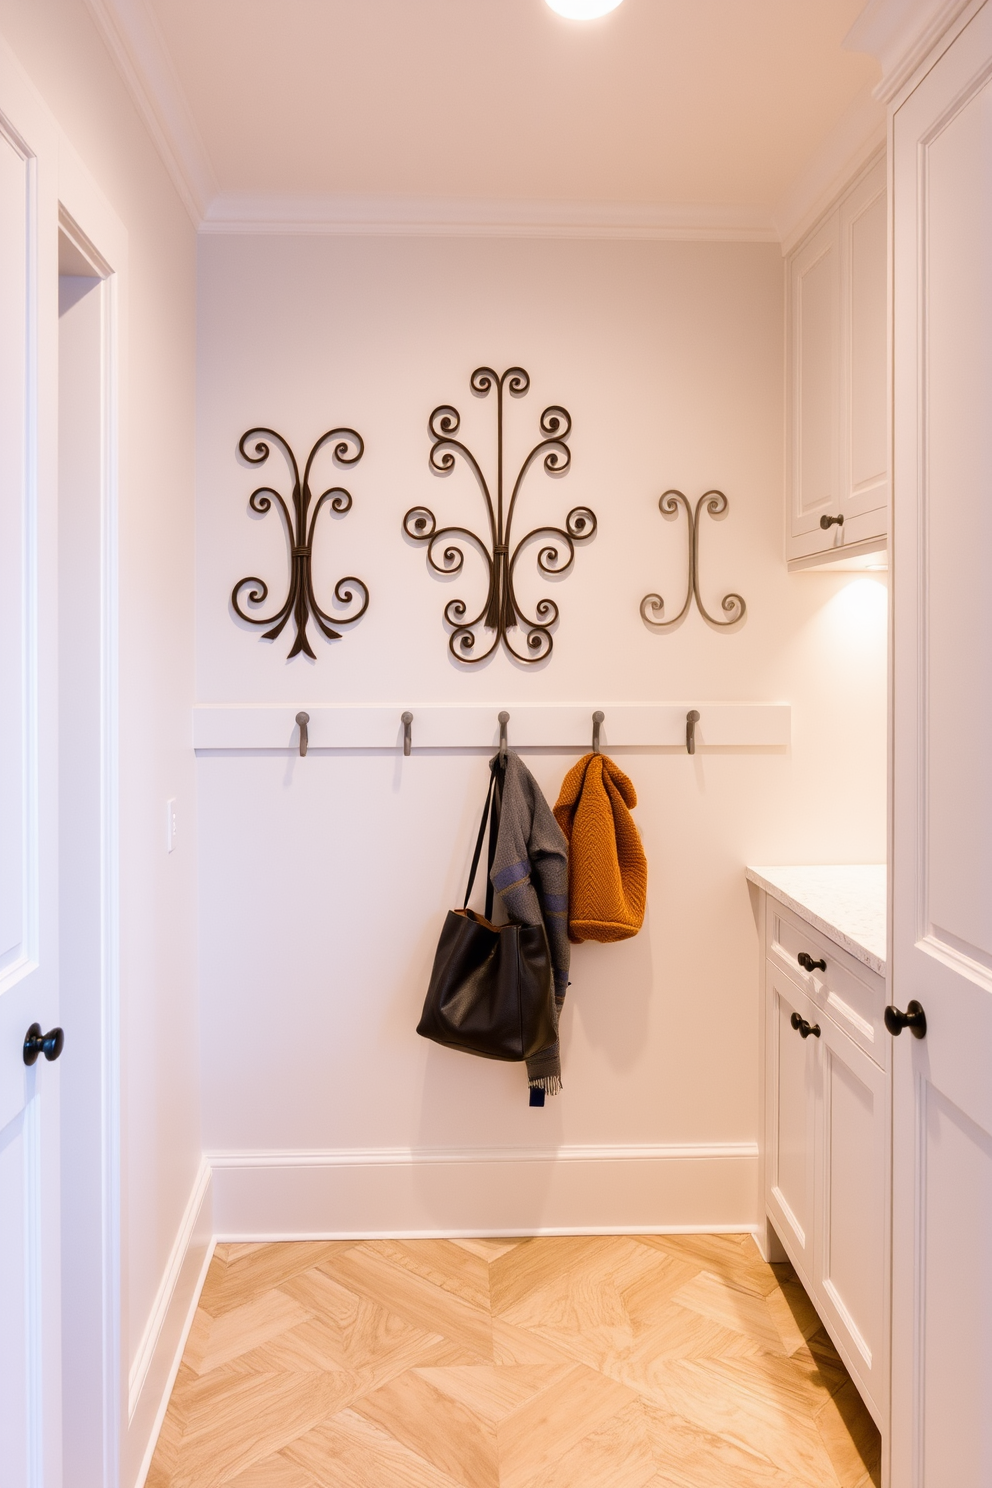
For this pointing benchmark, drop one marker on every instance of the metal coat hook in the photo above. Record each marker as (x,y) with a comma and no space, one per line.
(303,719)
(407,721)
(504,719)
(597,720)
(691,719)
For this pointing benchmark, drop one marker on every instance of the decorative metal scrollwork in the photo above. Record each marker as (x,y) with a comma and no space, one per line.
(501,611)
(732,604)
(300,600)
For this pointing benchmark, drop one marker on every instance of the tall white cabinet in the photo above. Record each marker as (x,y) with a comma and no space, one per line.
(837,419)
(942,781)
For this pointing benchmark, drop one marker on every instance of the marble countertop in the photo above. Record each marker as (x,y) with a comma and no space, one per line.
(845,902)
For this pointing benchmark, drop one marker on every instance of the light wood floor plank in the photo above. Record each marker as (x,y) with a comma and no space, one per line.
(214,1341)
(413,1298)
(437,1426)
(275,1471)
(732,1307)
(350,1451)
(445,1265)
(559,1362)
(232,1282)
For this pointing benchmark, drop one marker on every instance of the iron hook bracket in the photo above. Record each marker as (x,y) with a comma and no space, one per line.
(504,719)
(598,718)
(303,719)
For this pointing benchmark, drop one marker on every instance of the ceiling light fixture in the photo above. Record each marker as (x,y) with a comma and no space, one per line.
(583,10)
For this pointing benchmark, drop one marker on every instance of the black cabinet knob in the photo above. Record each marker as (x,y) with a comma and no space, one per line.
(827,522)
(803,1028)
(914,1018)
(808,964)
(50,1044)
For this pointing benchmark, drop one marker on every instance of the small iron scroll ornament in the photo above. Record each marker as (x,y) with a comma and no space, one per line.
(731,604)
(300,600)
(501,611)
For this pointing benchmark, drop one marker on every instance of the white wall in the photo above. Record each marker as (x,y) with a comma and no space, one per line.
(56,43)
(324,881)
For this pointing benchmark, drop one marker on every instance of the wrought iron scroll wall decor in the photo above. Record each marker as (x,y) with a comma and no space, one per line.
(732,604)
(501,611)
(300,601)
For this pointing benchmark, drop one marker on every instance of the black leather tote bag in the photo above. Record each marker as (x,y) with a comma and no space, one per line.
(492,988)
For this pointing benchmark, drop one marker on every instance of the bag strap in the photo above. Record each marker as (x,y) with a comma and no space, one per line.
(490,817)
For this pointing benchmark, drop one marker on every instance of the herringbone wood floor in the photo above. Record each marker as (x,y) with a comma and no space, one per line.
(618,1362)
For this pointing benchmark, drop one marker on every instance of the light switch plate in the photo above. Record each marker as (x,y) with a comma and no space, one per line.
(170,824)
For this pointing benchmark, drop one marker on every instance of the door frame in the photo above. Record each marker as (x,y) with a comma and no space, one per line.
(99,237)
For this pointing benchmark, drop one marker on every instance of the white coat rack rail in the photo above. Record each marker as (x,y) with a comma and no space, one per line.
(555,726)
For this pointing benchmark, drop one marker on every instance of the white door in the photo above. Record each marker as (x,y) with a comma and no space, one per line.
(942,803)
(29,1117)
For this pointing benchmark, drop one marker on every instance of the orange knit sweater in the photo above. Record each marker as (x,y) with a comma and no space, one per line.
(607,869)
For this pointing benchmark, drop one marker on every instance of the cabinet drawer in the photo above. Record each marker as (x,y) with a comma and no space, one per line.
(855,1000)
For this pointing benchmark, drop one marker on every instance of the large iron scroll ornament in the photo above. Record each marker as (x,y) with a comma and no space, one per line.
(300,601)
(501,611)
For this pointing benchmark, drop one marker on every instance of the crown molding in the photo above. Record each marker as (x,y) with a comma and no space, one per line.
(138,49)
(387,216)
(901,34)
(854,141)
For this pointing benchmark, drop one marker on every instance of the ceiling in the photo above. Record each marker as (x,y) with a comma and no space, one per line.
(700,103)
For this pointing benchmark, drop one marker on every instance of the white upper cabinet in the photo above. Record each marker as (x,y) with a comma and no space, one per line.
(837,413)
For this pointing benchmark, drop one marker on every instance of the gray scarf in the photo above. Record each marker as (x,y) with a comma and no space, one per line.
(530,875)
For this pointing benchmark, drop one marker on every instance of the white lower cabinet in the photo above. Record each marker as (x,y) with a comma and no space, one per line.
(827,1104)
(790,1121)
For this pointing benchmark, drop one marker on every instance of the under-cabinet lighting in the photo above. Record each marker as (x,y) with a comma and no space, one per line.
(583,10)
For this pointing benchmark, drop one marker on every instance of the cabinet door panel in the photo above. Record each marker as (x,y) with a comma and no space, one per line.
(850,1272)
(864,231)
(813,349)
(790,1119)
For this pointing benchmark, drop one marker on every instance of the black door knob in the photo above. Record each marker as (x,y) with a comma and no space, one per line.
(808,964)
(803,1028)
(914,1018)
(827,522)
(35,1042)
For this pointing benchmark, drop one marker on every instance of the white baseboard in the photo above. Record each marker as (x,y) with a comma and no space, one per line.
(156,1362)
(354,1193)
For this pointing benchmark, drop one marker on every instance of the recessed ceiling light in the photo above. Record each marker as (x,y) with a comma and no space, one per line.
(583,10)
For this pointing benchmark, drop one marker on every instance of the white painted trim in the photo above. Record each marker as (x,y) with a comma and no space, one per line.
(146,1460)
(902,34)
(336,1157)
(562,726)
(91,223)
(135,42)
(849,150)
(361,1193)
(151,1338)
(281,1237)
(366,216)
